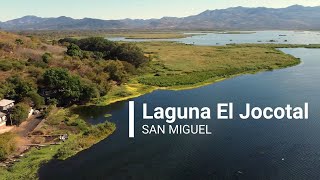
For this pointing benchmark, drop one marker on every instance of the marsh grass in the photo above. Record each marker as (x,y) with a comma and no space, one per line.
(179,64)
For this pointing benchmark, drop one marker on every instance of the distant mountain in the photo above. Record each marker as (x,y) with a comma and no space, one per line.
(237,18)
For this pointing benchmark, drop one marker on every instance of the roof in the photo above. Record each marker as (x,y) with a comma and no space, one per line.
(5,102)
(2,114)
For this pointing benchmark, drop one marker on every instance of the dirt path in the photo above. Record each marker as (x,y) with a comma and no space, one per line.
(23,131)
(26,127)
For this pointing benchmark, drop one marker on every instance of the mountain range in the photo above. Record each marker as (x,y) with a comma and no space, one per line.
(236,18)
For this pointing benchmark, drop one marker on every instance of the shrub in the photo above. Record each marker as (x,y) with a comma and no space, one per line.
(20,113)
(46,57)
(7,145)
(19,41)
(5,66)
(74,51)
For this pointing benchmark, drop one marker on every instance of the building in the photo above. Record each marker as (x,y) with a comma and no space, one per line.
(3,119)
(6,104)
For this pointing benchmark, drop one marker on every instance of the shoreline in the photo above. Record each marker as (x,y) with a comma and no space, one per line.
(189,87)
(136,90)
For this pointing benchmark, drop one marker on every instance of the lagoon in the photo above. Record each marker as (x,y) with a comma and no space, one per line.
(259,149)
(256,37)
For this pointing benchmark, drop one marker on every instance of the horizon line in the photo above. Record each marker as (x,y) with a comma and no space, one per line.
(154,18)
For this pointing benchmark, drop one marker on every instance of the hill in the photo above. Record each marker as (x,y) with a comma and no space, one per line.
(237,18)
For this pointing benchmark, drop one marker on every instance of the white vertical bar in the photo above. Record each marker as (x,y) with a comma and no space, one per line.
(131,119)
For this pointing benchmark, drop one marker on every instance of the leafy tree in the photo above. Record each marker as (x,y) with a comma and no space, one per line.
(74,50)
(88,92)
(116,71)
(96,44)
(19,113)
(37,100)
(66,88)
(130,53)
(68,41)
(103,48)
(18,88)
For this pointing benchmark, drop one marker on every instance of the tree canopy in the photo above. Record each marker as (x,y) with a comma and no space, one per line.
(67,88)
(109,50)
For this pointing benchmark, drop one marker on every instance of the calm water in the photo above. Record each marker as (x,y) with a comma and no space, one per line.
(279,37)
(238,149)
(263,149)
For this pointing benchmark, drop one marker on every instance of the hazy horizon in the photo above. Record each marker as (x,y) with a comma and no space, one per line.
(144,9)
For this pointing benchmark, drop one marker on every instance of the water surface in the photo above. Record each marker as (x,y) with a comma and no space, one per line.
(278,37)
(238,149)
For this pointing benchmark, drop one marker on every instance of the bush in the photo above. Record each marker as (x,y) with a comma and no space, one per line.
(37,100)
(5,66)
(20,113)
(19,42)
(7,145)
(74,51)
(116,71)
(46,57)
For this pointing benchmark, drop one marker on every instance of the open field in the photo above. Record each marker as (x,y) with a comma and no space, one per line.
(56,35)
(182,65)
(155,35)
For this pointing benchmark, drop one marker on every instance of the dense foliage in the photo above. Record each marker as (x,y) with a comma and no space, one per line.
(7,145)
(105,49)
(19,113)
(66,88)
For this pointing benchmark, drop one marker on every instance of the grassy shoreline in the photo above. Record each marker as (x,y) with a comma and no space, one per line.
(169,60)
(81,136)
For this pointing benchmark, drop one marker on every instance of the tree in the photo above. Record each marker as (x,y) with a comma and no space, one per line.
(19,113)
(37,100)
(103,48)
(55,78)
(74,51)
(116,71)
(88,92)
(131,53)
(18,88)
(66,88)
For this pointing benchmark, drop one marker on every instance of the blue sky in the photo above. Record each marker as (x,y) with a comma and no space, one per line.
(119,9)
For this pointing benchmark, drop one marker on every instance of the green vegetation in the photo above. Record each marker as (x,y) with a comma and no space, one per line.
(90,136)
(19,113)
(46,57)
(95,71)
(29,165)
(78,34)
(108,49)
(156,35)
(18,89)
(81,136)
(7,145)
(65,88)
(176,65)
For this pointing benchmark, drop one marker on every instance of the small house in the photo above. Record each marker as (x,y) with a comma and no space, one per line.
(6,104)
(3,119)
